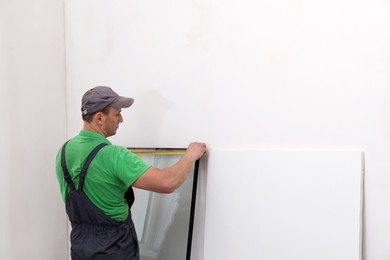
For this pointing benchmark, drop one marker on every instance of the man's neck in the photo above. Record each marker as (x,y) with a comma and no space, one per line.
(94,128)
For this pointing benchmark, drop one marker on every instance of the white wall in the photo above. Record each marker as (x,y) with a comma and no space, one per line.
(32,88)
(248,74)
(158,54)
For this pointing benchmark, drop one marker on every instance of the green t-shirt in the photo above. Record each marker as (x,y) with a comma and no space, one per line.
(109,175)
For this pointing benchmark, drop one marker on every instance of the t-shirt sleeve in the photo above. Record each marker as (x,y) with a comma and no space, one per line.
(128,166)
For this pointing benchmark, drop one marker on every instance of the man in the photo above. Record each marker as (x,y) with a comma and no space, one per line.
(95,177)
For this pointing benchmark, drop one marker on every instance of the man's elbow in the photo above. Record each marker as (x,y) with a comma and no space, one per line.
(167,189)
(169,186)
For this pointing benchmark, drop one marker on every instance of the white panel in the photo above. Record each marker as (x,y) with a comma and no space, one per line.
(295,205)
(33,222)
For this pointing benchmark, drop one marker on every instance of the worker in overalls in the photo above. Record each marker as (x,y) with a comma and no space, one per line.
(96,180)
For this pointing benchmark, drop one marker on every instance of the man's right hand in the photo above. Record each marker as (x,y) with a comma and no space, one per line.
(196,150)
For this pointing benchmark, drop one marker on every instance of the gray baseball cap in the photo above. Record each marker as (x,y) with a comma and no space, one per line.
(97,98)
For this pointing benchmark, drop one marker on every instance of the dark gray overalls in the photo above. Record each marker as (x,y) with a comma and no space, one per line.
(94,234)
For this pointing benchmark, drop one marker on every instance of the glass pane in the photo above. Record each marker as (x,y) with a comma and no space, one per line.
(163,221)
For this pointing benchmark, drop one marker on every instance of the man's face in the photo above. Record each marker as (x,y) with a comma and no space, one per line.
(111,121)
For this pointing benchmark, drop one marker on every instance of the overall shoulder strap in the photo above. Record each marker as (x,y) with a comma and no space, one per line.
(87,163)
(67,176)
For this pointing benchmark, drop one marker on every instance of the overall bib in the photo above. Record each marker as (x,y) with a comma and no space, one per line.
(94,234)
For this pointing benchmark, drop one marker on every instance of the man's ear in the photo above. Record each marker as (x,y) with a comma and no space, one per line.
(98,118)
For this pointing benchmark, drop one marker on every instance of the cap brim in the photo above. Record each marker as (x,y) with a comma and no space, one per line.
(123,102)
